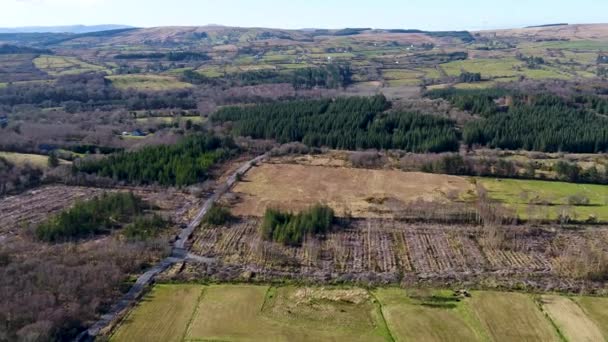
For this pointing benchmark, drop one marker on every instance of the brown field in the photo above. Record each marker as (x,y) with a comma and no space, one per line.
(359,192)
(34,206)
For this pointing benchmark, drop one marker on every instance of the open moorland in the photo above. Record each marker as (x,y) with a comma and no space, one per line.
(263,313)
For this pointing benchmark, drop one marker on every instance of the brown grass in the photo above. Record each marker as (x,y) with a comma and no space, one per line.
(360,192)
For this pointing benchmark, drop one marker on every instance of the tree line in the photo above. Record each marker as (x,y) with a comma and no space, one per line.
(536,122)
(184,163)
(455,164)
(344,123)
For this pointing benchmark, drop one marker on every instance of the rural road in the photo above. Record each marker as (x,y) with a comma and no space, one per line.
(179,253)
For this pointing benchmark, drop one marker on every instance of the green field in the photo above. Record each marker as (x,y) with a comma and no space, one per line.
(61,65)
(163,315)
(147,82)
(597,310)
(35,160)
(547,200)
(263,313)
(512,317)
(507,67)
(439,317)
(402,77)
(570,319)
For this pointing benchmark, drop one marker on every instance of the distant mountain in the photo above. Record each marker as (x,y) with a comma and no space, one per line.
(63,29)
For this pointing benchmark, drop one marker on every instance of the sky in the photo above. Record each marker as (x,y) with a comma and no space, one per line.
(294,14)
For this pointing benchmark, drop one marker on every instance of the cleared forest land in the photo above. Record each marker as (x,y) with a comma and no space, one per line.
(32,207)
(263,313)
(386,250)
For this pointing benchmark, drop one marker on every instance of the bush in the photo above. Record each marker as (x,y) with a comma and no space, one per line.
(368,159)
(578,199)
(290,229)
(217,215)
(144,228)
(53,161)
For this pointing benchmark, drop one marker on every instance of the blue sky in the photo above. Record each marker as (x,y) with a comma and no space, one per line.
(421,14)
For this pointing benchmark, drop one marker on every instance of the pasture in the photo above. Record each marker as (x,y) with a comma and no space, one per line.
(253,313)
(35,160)
(147,82)
(62,65)
(168,308)
(436,317)
(570,319)
(512,317)
(597,310)
(358,192)
(548,200)
(263,313)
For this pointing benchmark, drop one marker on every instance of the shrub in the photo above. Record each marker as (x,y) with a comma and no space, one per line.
(290,229)
(144,228)
(578,199)
(217,215)
(53,161)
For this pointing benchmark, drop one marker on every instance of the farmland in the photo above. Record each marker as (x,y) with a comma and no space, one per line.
(548,200)
(262,313)
(60,65)
(258,313)
(147,82)
(570,319)
(35,160)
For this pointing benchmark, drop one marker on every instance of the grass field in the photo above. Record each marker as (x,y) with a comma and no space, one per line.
(597,310)
(147,82)
(570,319)
(512,317)
(263,313)
(543,199)
(61,65)
(400,77)
(507,67)
(253,313)
(438,318)
(35,160)
(347,190)
(163,315)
